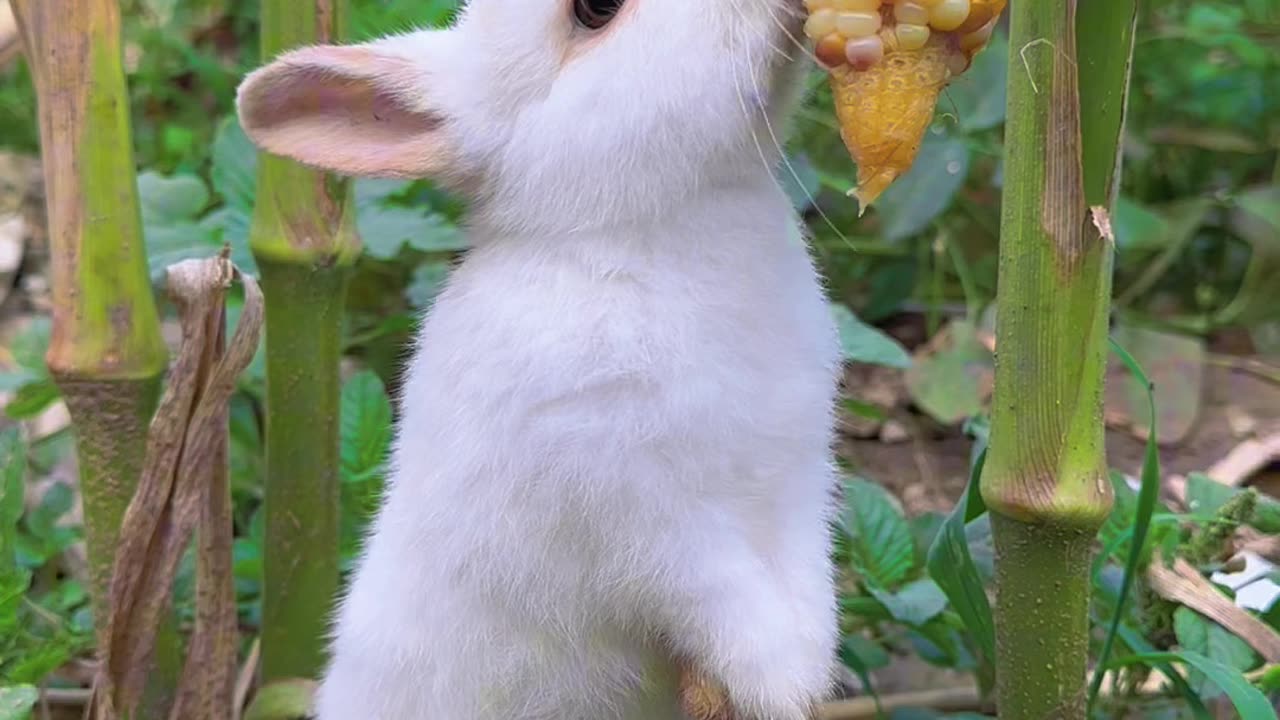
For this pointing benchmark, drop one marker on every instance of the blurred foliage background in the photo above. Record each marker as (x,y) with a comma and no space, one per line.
(1197,229)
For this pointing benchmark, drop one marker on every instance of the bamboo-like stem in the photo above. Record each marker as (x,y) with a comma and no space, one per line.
(1045,479)
(304,239)
(106,353)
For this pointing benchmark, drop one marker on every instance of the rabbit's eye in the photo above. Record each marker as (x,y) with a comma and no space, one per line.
(595,14)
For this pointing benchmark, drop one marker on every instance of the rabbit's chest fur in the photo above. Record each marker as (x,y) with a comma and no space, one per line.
(584,416)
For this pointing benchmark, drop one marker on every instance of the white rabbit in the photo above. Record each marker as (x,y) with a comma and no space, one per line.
(614,455)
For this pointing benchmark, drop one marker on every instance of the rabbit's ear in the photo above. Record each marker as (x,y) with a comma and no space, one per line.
(351,110)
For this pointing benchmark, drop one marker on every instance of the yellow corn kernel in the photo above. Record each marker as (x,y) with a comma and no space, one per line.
(857,25)
(911,37)
(911,13)
(888,69)
(856,5)
(820,24)
(949,14)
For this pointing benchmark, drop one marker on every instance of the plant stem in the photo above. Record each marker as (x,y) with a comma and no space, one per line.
(106,353)
(1045,479)
(305,242)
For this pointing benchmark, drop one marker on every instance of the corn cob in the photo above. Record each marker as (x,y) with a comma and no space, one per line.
(889,61)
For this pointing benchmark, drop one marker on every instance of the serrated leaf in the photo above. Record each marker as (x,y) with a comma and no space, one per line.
(880,542)
(866,344)
(17,701)
(365,426)
(918,602)
(926,190)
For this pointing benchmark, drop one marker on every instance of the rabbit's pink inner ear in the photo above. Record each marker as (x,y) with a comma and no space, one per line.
(343,109)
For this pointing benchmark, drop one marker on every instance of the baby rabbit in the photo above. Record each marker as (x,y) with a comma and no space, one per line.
(614,456)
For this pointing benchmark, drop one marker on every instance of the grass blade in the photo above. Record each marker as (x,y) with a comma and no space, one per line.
(1147,496)
(951,565)
(1248,700)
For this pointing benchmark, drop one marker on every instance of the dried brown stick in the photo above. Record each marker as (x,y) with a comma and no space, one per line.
(1182,583)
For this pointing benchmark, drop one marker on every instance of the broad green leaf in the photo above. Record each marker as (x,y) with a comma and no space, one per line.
(866,344)
(1205,497)
(880,540)
(386,229)
(290,699)
(978,96)
(951,566)
(235,166)
(1144,509)
(918,602)
(800,180)
(926,190)
(1137,228)
(365,426)
(952,383)
(1248,701)
(1199,634)
(18,701)
(862,656)
(167,199)
(428,280)
(1174,364)
(29,346)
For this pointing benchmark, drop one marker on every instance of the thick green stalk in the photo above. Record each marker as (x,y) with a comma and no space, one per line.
(1045,479)
(305,242)
(106,353)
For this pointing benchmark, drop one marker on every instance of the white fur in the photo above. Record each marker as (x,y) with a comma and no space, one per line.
(614,448)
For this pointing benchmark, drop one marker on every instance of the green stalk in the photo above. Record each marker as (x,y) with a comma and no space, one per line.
(1045,479)
(305,243)
(106,353)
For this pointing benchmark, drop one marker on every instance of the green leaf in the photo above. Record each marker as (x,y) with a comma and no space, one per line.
(1146,505)
(866,344)
(862,656)
(949,385)
(29,346)
(428,280)
(13,470)
(926,190)
(1248,701)
(1137,228)
(1206,496)
(951,566)
(1199,634)
(386,229)
(170,199)
(881,548)
(17,701)
(290,699)
(32,399)
(978,96)
(235,166)
(918,602)
(365,426)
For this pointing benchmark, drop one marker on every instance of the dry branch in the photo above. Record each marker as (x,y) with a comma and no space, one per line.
(183,487)
(1182,583)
